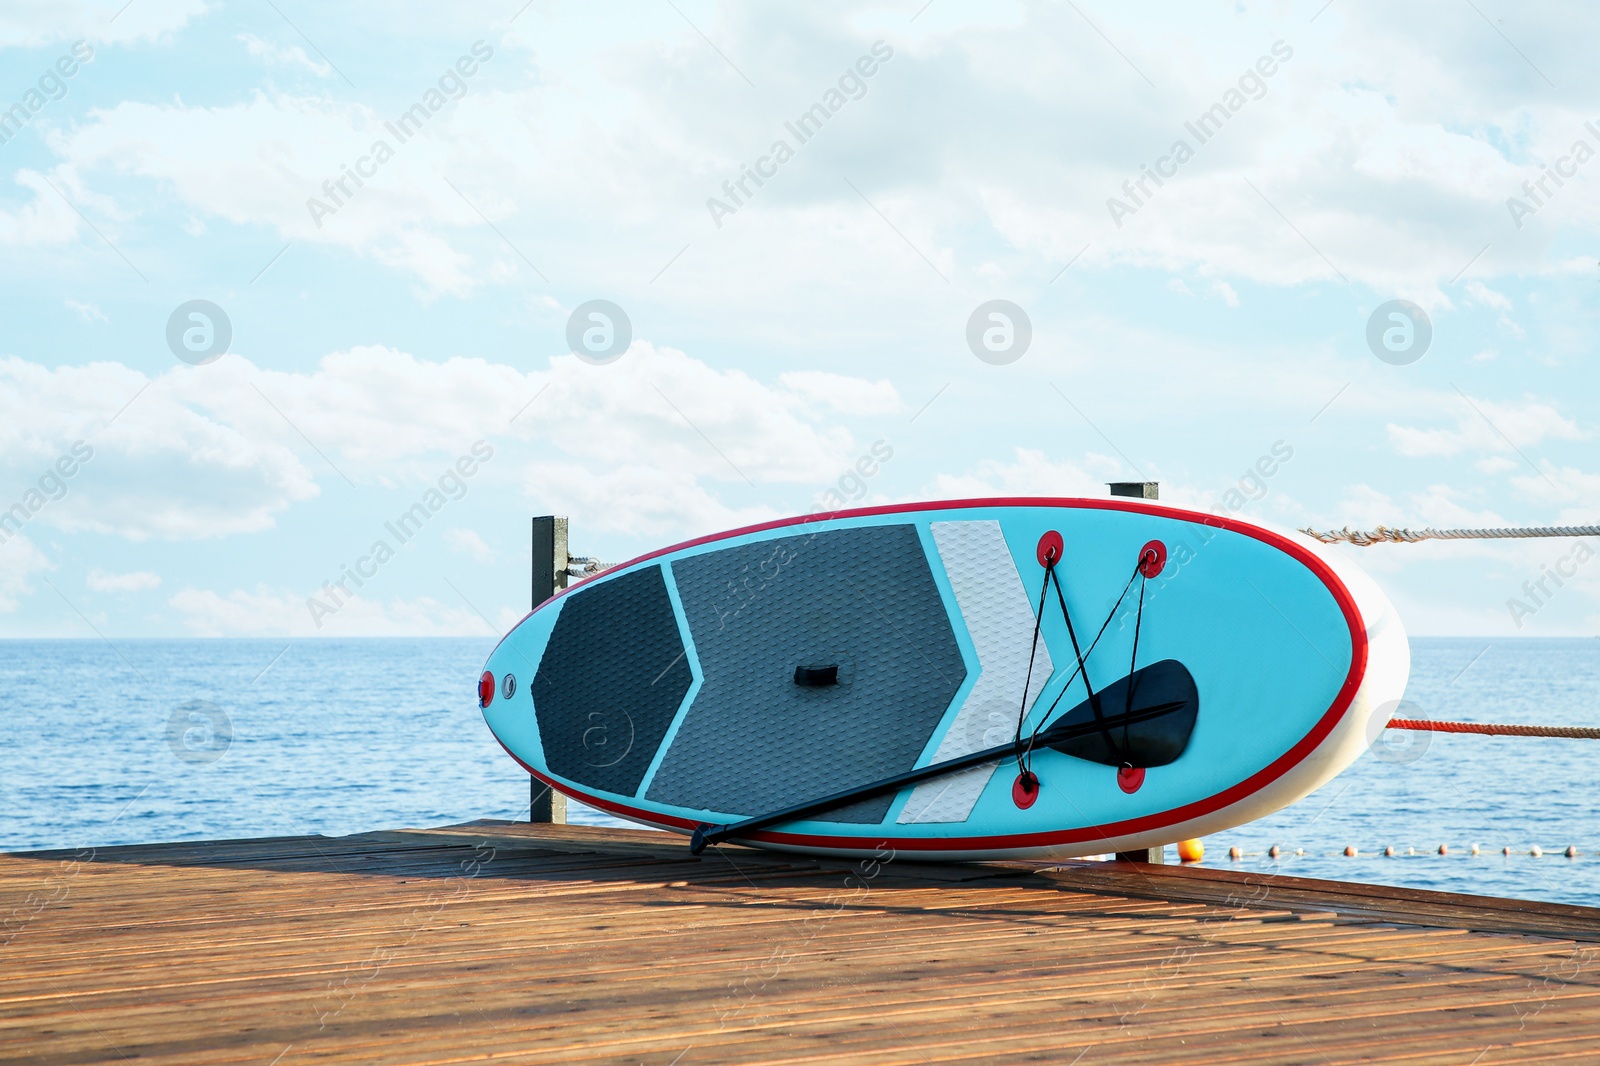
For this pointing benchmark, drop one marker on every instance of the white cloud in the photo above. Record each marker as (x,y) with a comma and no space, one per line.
(166,466)
(1576,491)
(282,55)
(638,499)
(658,408)
(137,581)
(267,611)
(1226,291)
(467,542)
(1484,296)
(1378,167)
(87,312)
(1031,473)
(1486,426)
(258,162)
(378,411)
(35,23)
(19,558)
(45,219)
(222,449)
(845,394)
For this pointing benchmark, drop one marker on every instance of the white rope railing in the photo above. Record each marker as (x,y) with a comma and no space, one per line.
(1385,535)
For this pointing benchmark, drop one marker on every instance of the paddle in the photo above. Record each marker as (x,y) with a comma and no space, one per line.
(1162,695)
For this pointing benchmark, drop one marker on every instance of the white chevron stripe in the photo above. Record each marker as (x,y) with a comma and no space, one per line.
(999,618)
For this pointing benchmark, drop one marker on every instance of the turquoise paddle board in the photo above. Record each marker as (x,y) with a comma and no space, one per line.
(1151,674)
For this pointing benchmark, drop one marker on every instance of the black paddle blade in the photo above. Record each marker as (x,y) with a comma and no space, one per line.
(1151,731)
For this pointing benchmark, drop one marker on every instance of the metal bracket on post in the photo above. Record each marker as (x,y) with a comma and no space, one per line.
(550,563)
(1139,490)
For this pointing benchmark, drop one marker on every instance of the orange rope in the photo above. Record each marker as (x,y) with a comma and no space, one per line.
(1569,732)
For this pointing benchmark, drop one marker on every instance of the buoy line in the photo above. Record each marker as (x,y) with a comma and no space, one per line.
(1493,730)
(1238,854)
(1384,535)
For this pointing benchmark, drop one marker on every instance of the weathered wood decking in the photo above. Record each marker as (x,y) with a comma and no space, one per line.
(550,944)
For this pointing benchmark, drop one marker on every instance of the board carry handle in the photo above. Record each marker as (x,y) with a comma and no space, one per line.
(812,675)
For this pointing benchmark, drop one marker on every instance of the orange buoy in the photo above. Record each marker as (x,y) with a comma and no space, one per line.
(1444,849)
(1236,853)
(1388,852)
(1350,852)
(1274,851)
(1191,850)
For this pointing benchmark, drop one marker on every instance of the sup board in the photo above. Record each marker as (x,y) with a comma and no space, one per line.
(840,684)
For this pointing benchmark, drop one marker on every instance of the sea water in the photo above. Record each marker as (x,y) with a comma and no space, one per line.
(160,740)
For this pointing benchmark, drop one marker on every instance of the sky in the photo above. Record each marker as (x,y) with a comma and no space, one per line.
(275,273)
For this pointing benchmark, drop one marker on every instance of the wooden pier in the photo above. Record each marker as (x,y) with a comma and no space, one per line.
(501,942)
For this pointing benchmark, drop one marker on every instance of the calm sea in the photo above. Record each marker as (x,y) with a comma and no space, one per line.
(192,739)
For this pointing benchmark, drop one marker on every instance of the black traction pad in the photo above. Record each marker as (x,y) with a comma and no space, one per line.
(610,682)
(753,740)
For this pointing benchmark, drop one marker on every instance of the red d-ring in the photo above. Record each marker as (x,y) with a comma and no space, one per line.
(1130,779)
(1050,548)
(1152,558)
(1025,789)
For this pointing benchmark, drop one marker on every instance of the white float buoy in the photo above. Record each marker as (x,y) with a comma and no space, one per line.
(1572,851)
(1475,849)
(1536,851)
(1350,851)
(1444,849)
(1389,851)
(1274,851)
(1235,853)
(1506,850)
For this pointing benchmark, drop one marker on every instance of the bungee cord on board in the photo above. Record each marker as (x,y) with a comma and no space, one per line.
(1024,758)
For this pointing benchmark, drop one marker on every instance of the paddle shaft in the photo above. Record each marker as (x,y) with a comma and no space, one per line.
(708,835)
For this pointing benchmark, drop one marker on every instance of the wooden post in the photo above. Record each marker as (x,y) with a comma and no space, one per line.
(550,564)
(1139,490)
(550,559)
(547,805)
